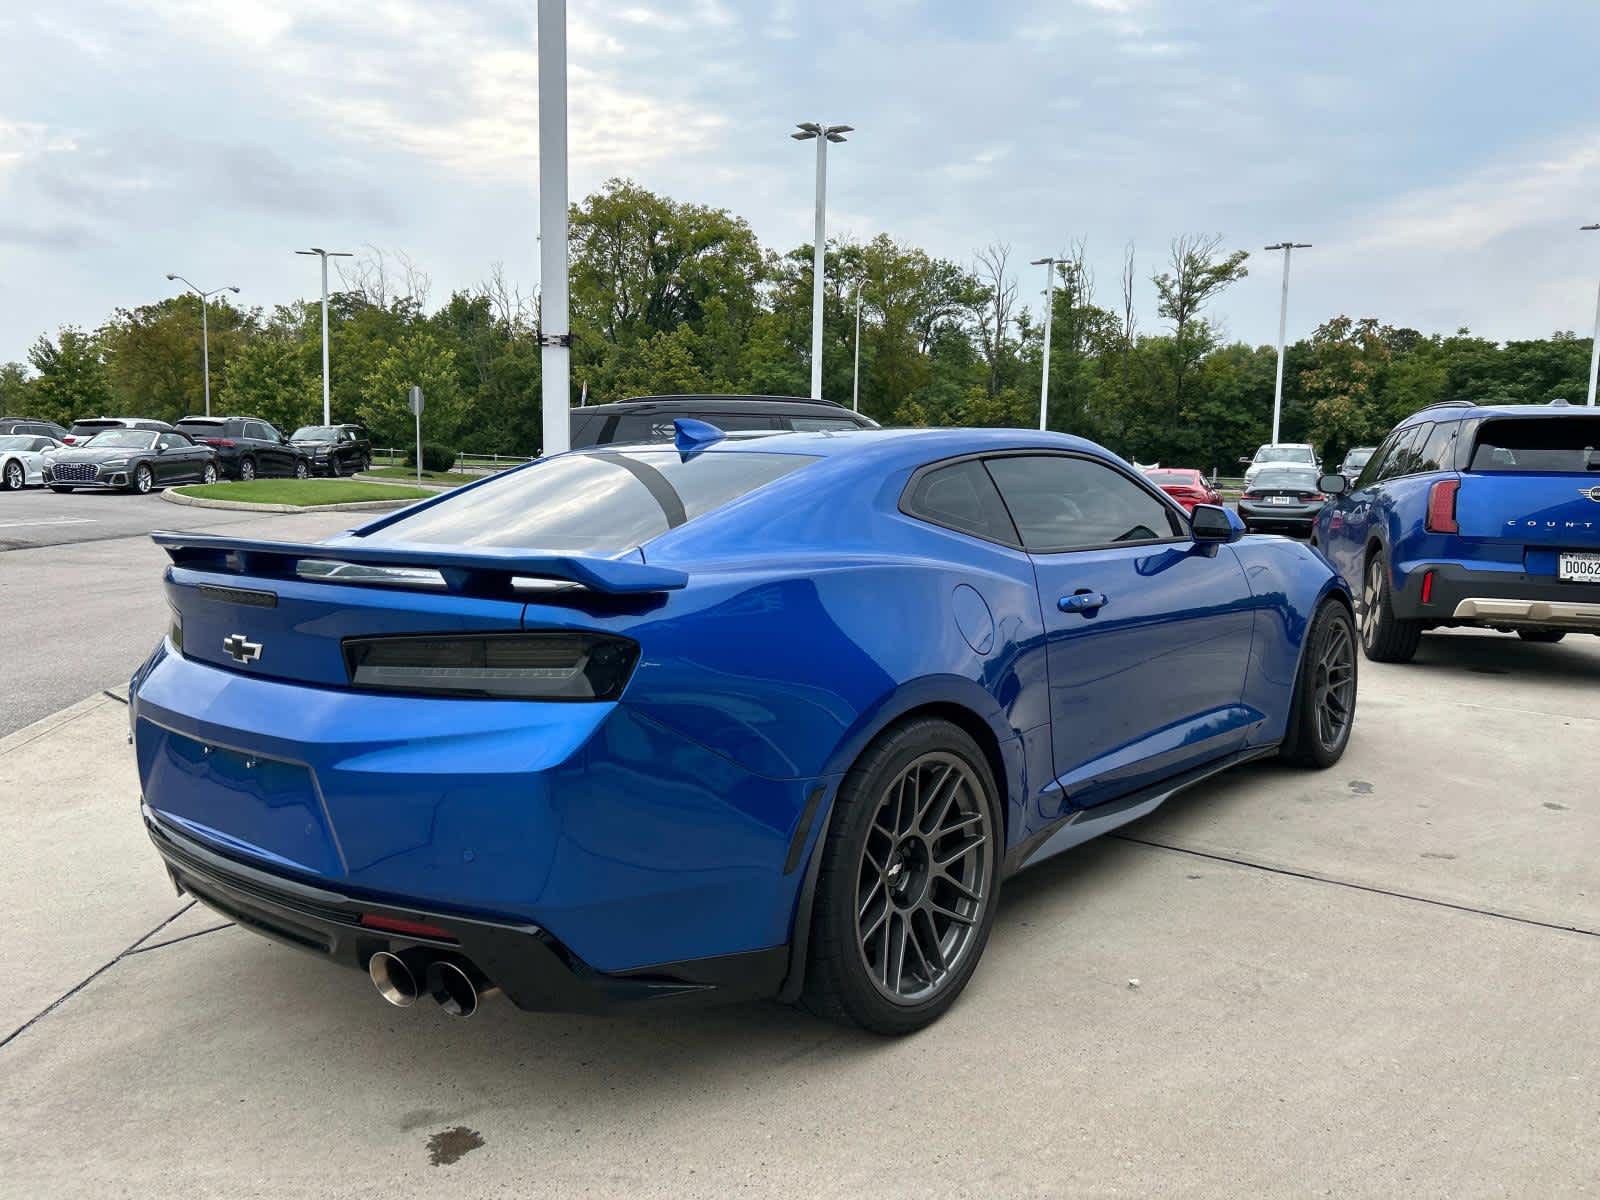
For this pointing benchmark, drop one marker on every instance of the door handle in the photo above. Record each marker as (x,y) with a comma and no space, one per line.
(1082,601)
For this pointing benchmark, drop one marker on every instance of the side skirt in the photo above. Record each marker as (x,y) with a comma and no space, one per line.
(1081,826)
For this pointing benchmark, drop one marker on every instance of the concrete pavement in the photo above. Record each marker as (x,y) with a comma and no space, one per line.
(1378,980)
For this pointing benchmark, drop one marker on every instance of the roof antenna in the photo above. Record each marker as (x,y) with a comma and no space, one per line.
(690,435)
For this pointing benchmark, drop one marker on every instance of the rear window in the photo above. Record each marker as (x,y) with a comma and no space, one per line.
(92,427)
(599,502)
(1551,445)
(1285,479)
(1170,478)
(200,429)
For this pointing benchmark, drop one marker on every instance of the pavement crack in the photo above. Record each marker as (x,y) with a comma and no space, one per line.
(1313,877)
(90,978)
(174,941)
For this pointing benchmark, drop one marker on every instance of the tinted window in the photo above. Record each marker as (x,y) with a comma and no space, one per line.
(961,496)
(586,429)
(1401,456)
(821,424)
(1063,503)
(200,429)
(259,430)
(1357,459)
(1437,452)
(658,427)
(1280,454)
(171,441)
(123,439)
(1286,479)
(1540,444)
(1369,473)
(598,502)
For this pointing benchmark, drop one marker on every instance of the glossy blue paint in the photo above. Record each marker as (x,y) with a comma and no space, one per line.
(778,634)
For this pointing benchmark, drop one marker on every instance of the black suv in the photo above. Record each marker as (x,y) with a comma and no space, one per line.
(31,427)
(248,447)
(649,418)
(334,449)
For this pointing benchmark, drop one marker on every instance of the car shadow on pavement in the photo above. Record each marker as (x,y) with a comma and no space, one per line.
(1575,659)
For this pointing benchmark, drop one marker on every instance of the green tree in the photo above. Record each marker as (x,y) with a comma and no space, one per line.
(72,379)
(267,378)
(16,390)
(418,358)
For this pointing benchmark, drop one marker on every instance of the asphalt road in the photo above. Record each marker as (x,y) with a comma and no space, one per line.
(80,587)
(1378,980)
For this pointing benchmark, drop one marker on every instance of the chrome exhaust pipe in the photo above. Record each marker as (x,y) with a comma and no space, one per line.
(454,988)
(396,982)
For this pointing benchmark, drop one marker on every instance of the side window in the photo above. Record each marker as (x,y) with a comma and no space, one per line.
(1369,473)
(169,441)
(962,497)
(658,427)
(259,430)
(1400,457)
(821,424)
(1063,503)
(1438,452)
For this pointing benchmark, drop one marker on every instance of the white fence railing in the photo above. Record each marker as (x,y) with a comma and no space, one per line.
(395,456)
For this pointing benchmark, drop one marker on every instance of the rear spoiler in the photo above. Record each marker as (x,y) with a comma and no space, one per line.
(477,570)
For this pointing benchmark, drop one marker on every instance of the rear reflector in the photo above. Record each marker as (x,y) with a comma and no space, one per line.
(1442,506)
(1427,587)
(411,928)
(508,666)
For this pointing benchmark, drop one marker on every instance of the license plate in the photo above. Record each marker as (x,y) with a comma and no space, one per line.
(1280,499)
(1579,568)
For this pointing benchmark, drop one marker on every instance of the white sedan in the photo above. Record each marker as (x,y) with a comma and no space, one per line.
(22,457)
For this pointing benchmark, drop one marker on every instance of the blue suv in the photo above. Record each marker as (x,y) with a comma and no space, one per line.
(1470,515)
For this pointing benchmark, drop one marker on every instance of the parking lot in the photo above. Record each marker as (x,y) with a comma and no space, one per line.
(1383,979)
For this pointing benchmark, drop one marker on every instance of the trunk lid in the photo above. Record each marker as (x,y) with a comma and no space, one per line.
(1535,509)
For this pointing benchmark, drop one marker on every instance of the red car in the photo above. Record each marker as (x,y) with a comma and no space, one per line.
(1187,486)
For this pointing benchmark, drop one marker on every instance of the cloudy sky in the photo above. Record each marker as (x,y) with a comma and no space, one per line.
(1439,155)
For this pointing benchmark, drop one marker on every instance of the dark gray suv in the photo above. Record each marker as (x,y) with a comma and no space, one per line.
(649,418)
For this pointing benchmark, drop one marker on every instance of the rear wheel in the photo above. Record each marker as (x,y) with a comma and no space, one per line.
(1324,705)
(908,883)
(1544,637)
(247,469)
(209,475)
(1384,636)
(14,476)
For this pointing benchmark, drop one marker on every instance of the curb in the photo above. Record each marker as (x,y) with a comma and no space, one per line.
(353,506)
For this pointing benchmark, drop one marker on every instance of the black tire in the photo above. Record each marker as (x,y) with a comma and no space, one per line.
(1384,636)
(1323,708)
(335,467)
(301,471)
(209,474)
(14,477)
(911,874)
(1543,637)
(143,481)
(247,469)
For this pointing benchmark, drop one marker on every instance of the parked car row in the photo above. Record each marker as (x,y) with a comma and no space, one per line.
(139,454)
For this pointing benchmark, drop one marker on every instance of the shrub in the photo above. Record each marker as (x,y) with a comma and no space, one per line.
(434,458)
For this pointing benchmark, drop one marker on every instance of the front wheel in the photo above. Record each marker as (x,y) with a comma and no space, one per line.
(335,467)
(143,479)
(300,469)
(909,880)
(1384,636)
(1543,637)
(209,475)
(1323,707)
(14,476)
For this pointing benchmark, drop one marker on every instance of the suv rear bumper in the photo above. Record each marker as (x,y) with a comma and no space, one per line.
(1497,599)
(533,969)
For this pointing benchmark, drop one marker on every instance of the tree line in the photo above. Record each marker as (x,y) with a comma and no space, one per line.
(669,297)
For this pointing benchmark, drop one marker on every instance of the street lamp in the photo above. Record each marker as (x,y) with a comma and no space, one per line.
(1283,318)
(325,255)
(555,330)
(205,333)
(1594,351)
(823,135)
(1049,265)
(855,372)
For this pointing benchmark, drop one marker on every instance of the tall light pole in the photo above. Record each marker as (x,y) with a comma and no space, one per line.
(1049,265)
(855,372)
(1283,320)
(325,255)
(555,334)
(823,135)
(205,332)
(1594,351)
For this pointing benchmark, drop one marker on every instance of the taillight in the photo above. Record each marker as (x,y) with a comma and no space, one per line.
(1442,507)
(413,928)
(1427,587)
(226,442)
(509,666)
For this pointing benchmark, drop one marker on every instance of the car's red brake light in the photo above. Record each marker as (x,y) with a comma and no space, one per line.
(1442,507)
(414,928)
(218,441)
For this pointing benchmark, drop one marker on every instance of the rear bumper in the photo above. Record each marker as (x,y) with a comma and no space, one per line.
(532,967)
(1497,599)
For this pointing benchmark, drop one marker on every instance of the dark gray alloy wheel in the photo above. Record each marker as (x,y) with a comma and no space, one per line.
(300,469)
(1323,709)
(247,469)
(209,475)
(14,476)
(907,882)
(1384,636)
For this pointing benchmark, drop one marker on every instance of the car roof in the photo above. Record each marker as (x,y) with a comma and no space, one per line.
(710,403)
(1461,410)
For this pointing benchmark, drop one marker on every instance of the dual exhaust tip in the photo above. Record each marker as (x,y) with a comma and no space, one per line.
(402,978)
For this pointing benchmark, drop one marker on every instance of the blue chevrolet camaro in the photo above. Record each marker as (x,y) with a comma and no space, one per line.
(731,717)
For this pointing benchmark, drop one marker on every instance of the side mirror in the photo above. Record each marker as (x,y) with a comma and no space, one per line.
(1246,459)
(1214,523)
(1333,485)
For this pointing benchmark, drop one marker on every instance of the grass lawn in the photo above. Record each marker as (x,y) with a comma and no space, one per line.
(303,493)
(450,477)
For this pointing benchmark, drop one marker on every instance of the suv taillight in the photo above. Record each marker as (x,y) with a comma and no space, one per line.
(217,441)
(1442,507)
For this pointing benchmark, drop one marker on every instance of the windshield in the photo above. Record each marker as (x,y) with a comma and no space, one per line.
(1286,479)
(1357,459)
(123,439)
(315,433)
(1173,477)
(595,502)
(1285,454)
(1546,445)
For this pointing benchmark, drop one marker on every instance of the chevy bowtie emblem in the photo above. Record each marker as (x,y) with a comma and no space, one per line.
(1592,493)
(240,648)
